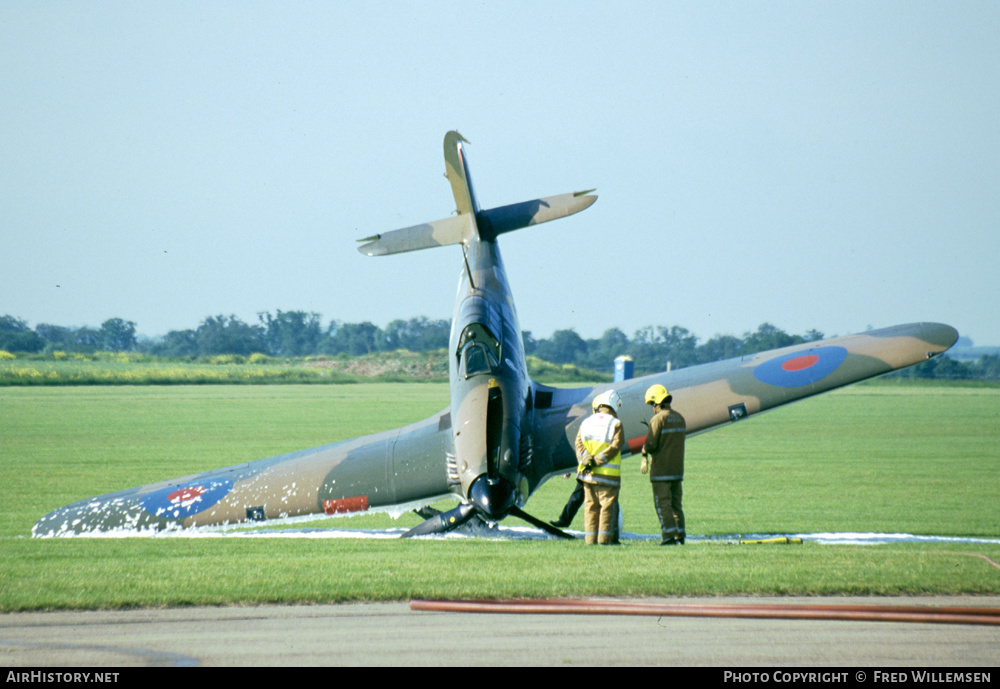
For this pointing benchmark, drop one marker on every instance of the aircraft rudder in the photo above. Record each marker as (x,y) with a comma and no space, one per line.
(457,172)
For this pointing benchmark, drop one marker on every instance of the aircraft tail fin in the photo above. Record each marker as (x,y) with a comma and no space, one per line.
(472,223)
(456,169)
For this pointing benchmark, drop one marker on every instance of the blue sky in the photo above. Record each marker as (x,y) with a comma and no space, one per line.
(827,165)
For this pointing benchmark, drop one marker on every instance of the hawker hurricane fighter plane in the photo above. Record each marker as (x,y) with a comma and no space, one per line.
(503,434)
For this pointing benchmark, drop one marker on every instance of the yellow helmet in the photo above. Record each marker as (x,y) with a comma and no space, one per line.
(657,394)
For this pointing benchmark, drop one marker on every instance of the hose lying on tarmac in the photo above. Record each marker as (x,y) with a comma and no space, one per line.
(791,611)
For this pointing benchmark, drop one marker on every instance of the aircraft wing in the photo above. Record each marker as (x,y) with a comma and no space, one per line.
(378,472)
(710,395)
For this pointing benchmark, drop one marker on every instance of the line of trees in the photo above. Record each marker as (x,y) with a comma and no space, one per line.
(300,334)
(653,348)
(285,334)
(114,335)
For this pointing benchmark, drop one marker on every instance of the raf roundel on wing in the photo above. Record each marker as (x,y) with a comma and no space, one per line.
(801,368)
(180,501)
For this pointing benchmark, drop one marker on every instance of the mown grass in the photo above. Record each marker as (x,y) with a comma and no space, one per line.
(885,458)
(88,573)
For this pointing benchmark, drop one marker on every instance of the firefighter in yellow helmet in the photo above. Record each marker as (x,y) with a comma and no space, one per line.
(598,452)
(663,460)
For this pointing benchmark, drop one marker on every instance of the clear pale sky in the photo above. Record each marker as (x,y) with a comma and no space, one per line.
(827,165)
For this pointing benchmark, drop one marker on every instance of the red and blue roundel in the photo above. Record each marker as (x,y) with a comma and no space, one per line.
(181,501)
(804,367)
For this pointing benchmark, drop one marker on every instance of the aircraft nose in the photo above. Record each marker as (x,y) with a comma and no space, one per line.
(485,434)
(492,498)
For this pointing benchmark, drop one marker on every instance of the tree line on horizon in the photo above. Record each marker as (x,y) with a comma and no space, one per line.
(298,334)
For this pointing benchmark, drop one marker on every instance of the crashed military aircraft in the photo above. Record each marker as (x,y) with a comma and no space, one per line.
(503,434)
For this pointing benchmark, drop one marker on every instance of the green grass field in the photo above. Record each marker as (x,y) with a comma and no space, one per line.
(920,459)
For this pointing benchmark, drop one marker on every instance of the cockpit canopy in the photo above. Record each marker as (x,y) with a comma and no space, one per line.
(479,346)
(478,351)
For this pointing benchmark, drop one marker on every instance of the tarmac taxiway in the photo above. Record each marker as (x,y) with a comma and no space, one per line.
(393,634)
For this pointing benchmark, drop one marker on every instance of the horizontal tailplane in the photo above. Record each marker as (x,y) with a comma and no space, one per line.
(460,229)
(454,230)
(518,215)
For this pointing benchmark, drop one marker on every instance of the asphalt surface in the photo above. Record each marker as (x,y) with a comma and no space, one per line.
(391,634)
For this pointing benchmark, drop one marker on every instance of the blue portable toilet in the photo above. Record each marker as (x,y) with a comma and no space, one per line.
(623,368)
